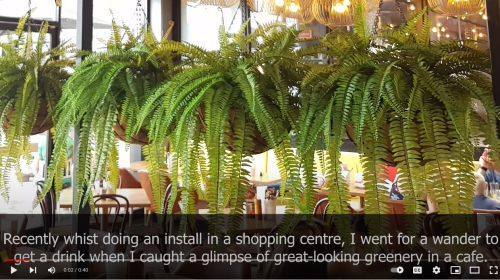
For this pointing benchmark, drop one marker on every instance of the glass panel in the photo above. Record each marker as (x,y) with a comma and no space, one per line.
(129,12)
(44,9)
(200,25)
(3,38)
(123,11)
(68,21)
(472,27)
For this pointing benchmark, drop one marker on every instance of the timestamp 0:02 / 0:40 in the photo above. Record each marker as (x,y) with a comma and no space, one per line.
(72,269)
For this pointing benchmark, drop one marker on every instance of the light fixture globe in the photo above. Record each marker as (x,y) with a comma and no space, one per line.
(337,12)
(299,11)
(265,6)
(456,7)
(217,3)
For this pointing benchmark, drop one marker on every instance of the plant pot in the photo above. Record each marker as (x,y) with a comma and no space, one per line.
(42,123)
(140,138)
(260,143)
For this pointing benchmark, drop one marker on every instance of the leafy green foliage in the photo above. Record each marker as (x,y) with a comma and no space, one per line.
(31,81)
(409,98)
(226,101)
(107,89)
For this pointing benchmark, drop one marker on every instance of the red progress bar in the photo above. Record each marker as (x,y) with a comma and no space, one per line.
(17,260)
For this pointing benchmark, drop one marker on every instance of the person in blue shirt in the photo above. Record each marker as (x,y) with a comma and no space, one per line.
(492,176)
(488,168)
(480,200)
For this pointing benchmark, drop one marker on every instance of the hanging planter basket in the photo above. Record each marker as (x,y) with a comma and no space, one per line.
(140,138)
(390,159)
(43,121)
(260,143)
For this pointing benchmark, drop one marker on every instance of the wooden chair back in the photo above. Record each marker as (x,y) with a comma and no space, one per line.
(48,206)
(331,228)
(146,185)
(176,209)
(320,209)
(396,216)
(120,203)
(127,180)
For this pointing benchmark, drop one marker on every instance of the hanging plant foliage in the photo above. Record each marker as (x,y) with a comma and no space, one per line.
(31,81)
(411,99)
(215,109)
(105,94)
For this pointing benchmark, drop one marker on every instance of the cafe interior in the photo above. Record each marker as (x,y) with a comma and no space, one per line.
(286,113)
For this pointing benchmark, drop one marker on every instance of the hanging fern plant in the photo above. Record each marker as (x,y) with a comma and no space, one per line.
(104,94)
(410,99)
(217,112)
(31,81)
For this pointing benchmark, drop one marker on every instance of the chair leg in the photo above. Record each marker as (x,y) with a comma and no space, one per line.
(150,218)
(146,217)
(130,217)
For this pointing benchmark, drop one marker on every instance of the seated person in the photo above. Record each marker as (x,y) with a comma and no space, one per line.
(480,200)
(488,168)
(395,193)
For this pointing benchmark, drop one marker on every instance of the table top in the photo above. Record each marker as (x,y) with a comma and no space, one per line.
(136,198)
(23,269)
(138,165)
(354,191)
(265,179)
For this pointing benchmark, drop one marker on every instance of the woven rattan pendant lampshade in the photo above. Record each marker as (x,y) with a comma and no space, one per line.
(336,12)
(299,10)
(217,3)
(262,6)
(456,7)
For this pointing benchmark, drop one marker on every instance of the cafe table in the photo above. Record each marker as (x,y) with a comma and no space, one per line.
(137,198)
(258,180)
(353,191)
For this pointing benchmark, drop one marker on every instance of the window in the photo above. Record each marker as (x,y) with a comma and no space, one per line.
(200,25)
(44,9)
(123,11)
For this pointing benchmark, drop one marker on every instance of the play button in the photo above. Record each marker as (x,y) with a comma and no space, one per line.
(12,270)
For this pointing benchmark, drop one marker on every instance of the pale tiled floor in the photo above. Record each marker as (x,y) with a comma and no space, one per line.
(21,198)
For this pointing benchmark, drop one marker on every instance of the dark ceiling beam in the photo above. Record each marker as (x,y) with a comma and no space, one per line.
(493,24)
(33,20)
(81,222)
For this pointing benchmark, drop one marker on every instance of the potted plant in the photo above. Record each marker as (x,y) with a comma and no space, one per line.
(104,95)
(409,98)
(215,110)
(31,81)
